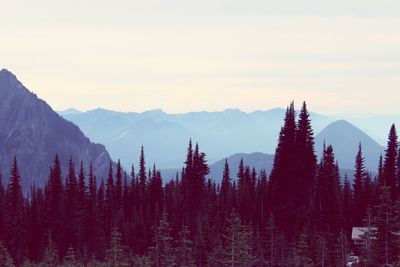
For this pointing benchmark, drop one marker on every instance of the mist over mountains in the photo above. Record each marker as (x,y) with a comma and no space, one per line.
(33,132)
(165,136)
(220,134)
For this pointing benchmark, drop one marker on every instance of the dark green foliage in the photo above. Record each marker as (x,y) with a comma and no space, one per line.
(5,258)
(184,249)
(116,255)
(302,216)
(360,201)
(162,252)
(237,245)
(15,216)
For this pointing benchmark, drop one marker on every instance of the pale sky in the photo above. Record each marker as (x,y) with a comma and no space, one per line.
(183,55)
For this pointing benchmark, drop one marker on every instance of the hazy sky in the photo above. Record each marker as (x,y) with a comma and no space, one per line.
(183,55)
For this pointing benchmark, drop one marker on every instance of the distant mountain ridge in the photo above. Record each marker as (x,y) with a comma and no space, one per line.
(165,136)
(34,133)
(345,137)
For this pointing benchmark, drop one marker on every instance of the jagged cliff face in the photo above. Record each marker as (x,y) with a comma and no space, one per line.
(34,133)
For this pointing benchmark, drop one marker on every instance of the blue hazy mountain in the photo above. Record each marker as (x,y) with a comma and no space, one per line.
(165,136)
(69,111)
(34,133)
(345,137)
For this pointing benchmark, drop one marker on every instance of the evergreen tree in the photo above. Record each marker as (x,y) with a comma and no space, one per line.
(116,256)
(5,258)
(384,245)
(71,209)
(156,195)
(70,259)
(359,190)
(271,241)
(92,218)
(162,253)
(142,180)
(302,257)
(347,207)
(35,226)
(368,238)
(282,185)
(328,200)
(55,204)
(82,212)
(118,189)
(50,254)
(238,248)
(184,249)
(225,192)
(306,166)
(109,205)
(389,166)
(15,215)
(261,209)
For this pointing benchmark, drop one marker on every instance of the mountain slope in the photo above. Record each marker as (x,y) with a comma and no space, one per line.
(34,133)
(345,137)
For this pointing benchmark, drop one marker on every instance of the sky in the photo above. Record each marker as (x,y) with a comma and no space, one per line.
(184,55)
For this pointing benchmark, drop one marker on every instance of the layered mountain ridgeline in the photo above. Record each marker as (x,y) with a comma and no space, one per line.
(220,134)
(34,133)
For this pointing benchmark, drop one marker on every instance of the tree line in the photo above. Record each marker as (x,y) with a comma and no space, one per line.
(302,214)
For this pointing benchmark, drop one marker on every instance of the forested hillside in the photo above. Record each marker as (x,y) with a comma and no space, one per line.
(299,215)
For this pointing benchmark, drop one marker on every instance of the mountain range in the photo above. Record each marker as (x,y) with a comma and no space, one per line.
(33,133)
(220,134)
(165,136)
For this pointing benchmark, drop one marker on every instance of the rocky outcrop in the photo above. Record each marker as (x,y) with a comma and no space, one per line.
(34,133)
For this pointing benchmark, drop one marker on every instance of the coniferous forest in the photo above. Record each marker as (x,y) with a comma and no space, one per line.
(301,214)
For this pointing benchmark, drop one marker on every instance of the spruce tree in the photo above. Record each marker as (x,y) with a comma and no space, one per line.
(306,164)
(50,254)
(70,259)
(327,203)
(142,180)
(359,190)
(282,185)
(5,258)
(71,209)
(347,207)
(55,203)
(15,215)
(161,252)
(184,249)
(225,194)
(389,166)
(109,203)
(238,247)
(116,256)
(118,189)
(384,245)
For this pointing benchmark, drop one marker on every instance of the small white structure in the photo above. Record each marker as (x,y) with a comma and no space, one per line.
(360,235)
